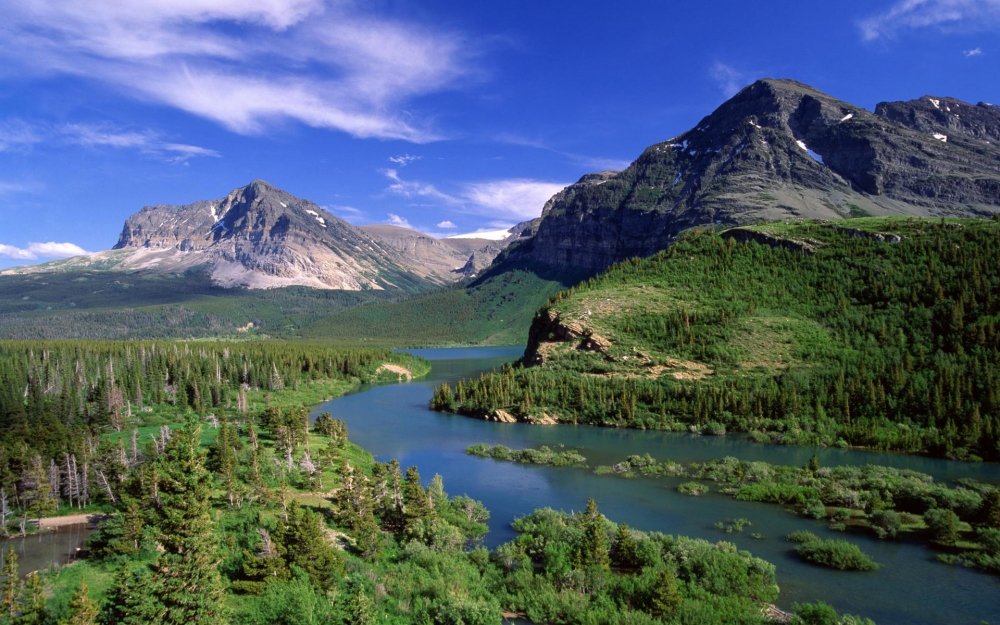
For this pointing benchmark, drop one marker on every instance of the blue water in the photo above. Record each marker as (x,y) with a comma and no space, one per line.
(911,587)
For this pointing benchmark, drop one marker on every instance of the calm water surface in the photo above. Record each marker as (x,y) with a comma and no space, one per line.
(46,549)
(911,587)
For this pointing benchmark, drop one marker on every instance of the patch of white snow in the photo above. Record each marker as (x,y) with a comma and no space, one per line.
(846,117)
(941,137)
(313,213)
(802,145)
(936,103)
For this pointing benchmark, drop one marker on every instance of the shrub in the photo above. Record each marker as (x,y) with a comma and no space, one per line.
(885,523)
(943,525)
(692,488)
(836,554)
(802,536)
(815,509)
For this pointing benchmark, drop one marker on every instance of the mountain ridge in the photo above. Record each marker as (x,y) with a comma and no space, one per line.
(778,149)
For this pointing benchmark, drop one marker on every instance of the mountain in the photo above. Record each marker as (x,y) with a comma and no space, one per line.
(444,260)
(259,236)
(779,149)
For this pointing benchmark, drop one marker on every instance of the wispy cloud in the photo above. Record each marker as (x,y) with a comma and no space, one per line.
(514,198)
(943,14)
(36,251)
(404,159)
(590,162)
(16,134)
(729,79)
(973,52)
(325,63)
(446,225)
(14,187)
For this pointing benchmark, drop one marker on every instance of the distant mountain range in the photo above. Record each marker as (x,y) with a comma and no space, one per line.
(778,150)
(259,236)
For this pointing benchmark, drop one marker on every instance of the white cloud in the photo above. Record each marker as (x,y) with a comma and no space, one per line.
(245,65)
(404,159)
(973,52)
(34,251)
(517,198)
(514,198)
(729,79)
(446,225)
(396,220)
(56,250)
(944,14)
(10,251)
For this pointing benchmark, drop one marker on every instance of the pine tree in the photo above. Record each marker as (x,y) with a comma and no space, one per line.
(623,554)
(665,596)
(10,589)
(32,601)
(303,542)
(416,503)
(130,601)
(82,609)
(594,550)
(186,582)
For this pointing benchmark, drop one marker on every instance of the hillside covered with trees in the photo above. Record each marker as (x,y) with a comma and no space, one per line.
(870,332)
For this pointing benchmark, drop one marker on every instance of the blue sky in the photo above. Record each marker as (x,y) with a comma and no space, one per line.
(446,116)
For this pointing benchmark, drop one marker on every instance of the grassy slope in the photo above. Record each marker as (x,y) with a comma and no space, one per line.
(772,323)
(494,310)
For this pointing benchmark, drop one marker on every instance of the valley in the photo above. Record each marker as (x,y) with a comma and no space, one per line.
(784,322)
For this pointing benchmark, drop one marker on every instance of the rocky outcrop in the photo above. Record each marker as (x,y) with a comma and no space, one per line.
(745,235)
(778,149)
(548,328)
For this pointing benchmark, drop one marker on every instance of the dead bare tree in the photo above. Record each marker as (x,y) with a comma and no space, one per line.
(103,482)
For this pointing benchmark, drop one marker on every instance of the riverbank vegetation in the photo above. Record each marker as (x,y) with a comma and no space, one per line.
(269,521)
(542,455)
(881,333)
(74,413)
(962,520)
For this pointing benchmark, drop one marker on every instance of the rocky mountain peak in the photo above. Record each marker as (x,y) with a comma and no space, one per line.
(778,149)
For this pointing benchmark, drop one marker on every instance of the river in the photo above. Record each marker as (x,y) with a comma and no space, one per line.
(393,421)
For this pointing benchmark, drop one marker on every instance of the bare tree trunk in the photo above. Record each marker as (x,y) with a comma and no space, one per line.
(103,481)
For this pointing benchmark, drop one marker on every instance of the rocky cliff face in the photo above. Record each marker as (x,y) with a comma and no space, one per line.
(778,149)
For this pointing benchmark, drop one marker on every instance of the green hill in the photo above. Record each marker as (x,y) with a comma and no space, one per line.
(881,332)
(496,309)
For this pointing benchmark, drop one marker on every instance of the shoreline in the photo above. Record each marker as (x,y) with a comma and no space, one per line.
(56,522)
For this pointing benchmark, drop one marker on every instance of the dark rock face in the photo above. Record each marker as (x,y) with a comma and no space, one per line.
(778,149)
